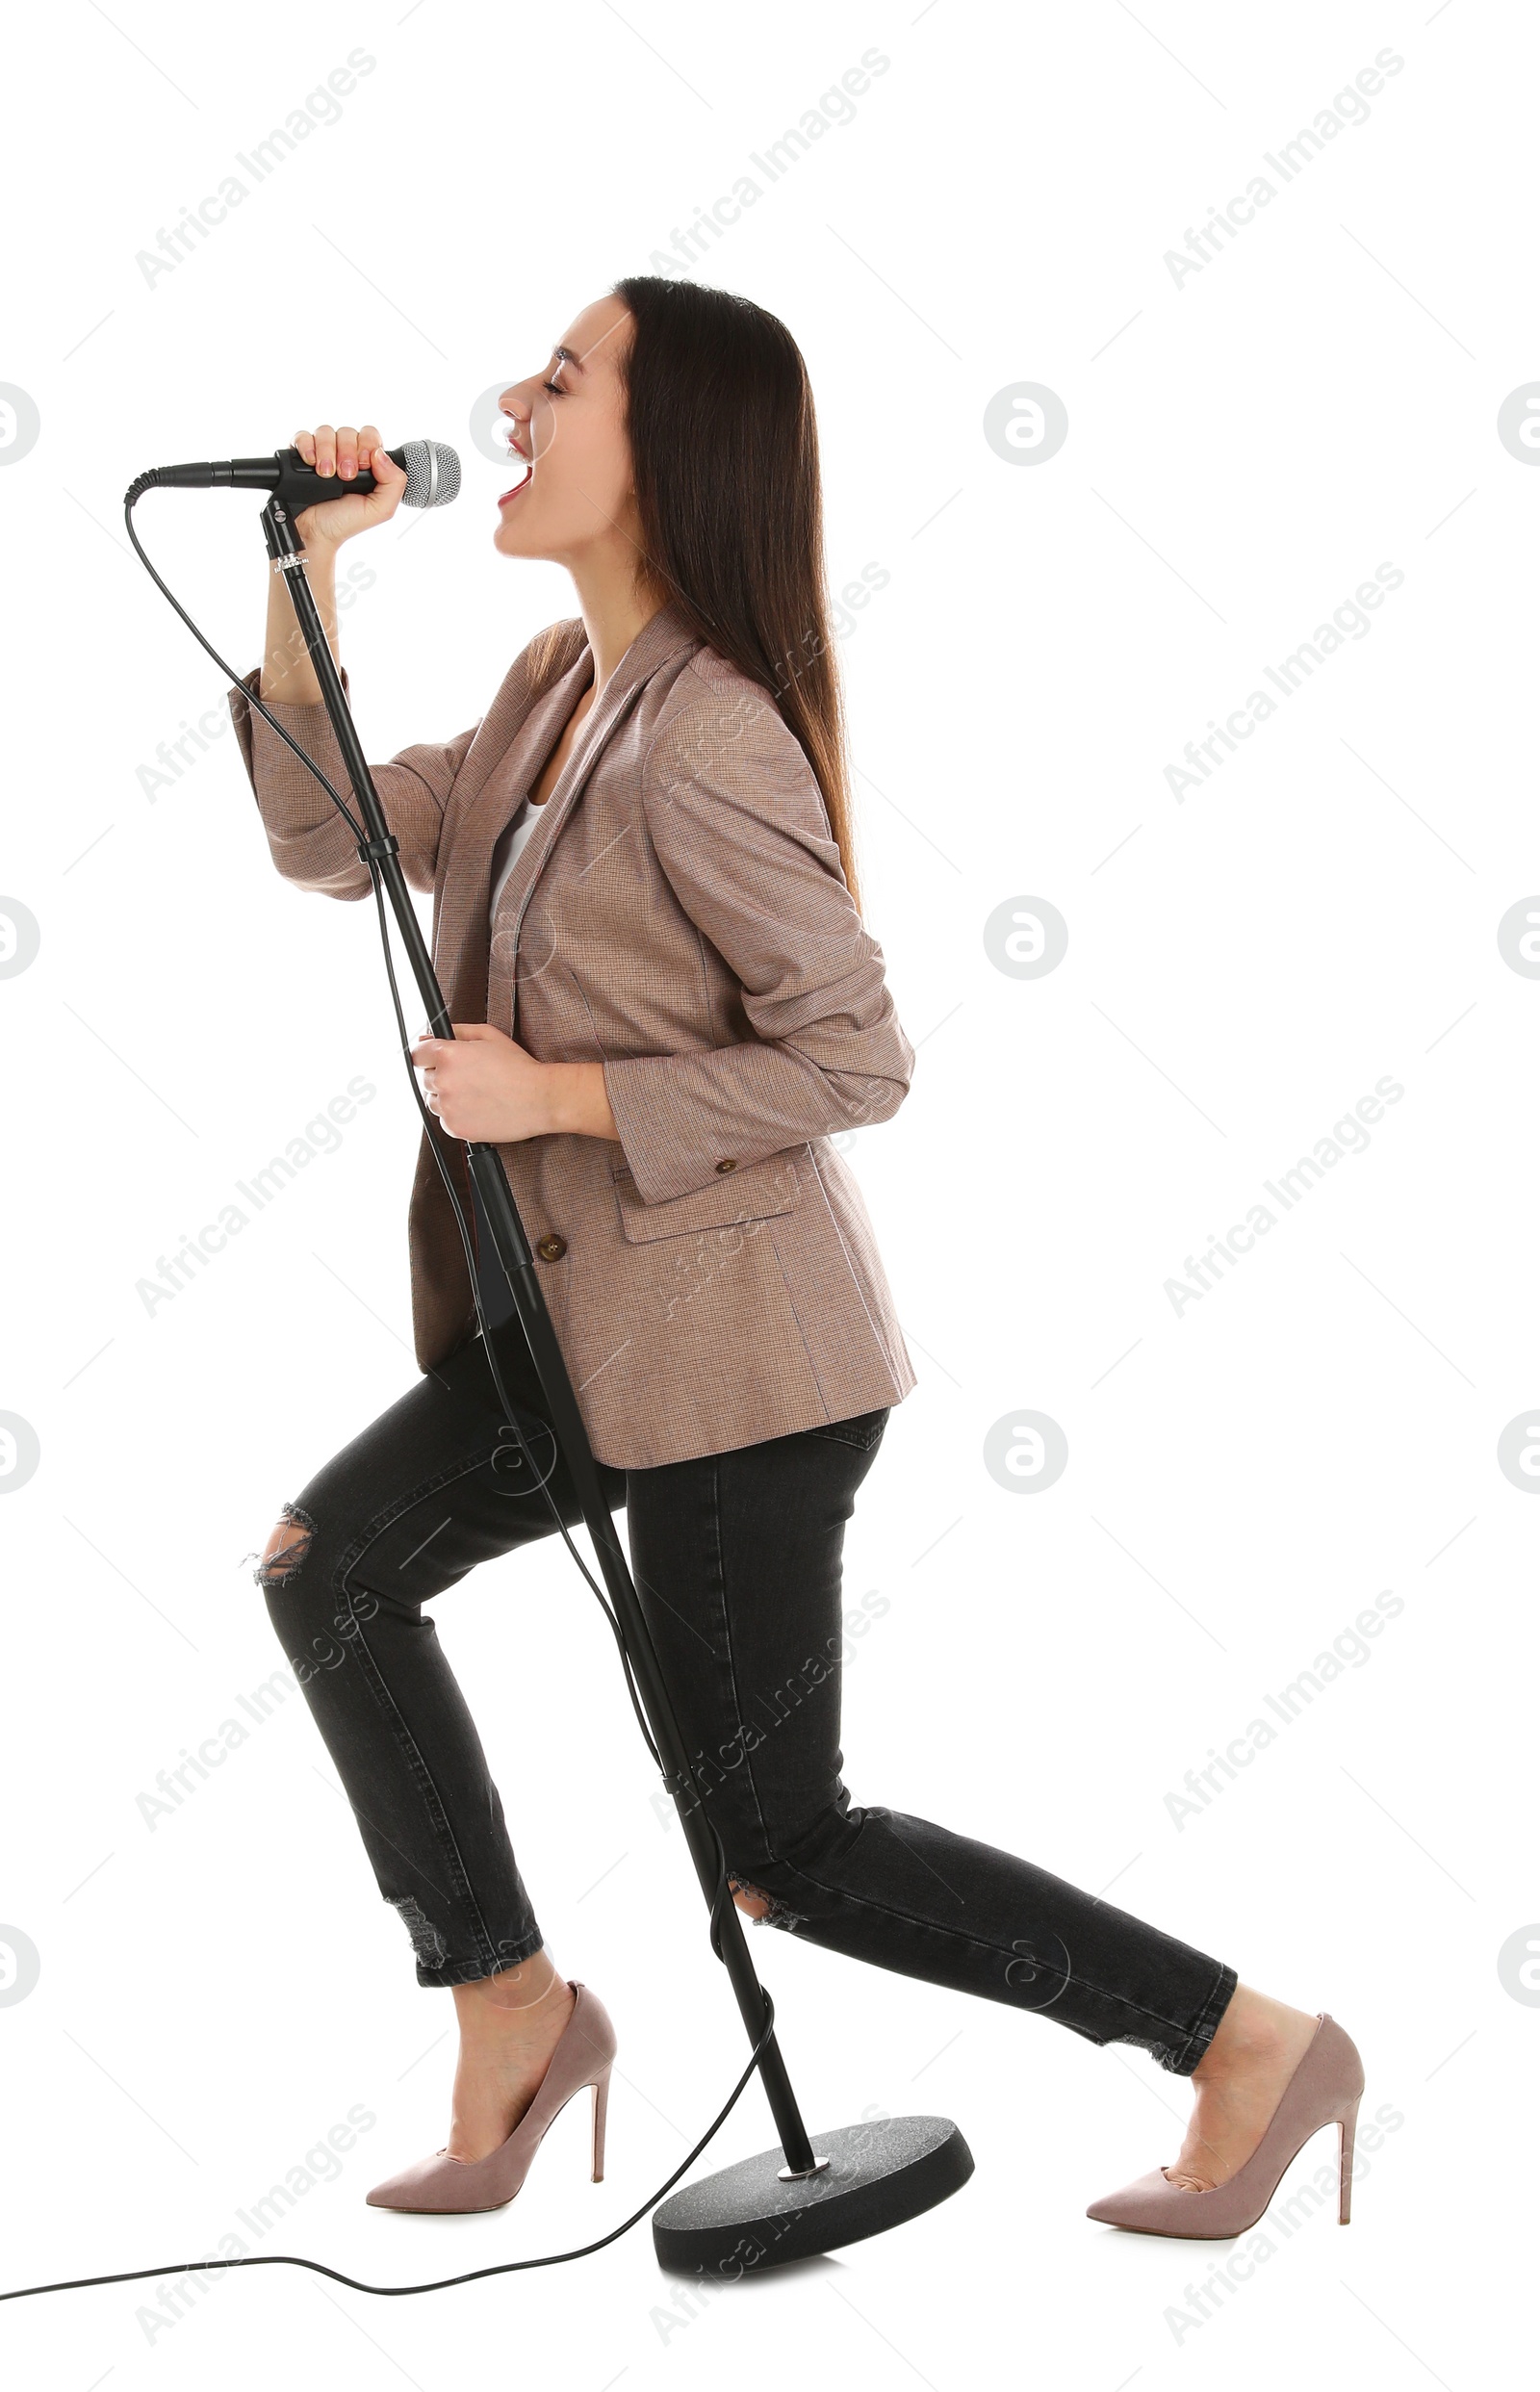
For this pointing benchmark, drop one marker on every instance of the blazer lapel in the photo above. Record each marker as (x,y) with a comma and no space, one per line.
(485,796)
(659,638)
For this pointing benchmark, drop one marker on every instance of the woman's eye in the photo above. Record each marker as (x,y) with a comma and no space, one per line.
(555,388)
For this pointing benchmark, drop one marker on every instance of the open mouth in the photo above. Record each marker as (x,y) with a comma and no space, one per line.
(529,476)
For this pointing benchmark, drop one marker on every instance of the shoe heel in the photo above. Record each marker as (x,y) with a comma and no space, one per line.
(600,2112)
(1347,2126)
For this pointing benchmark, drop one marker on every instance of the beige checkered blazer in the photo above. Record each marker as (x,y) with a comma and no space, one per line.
(680,915)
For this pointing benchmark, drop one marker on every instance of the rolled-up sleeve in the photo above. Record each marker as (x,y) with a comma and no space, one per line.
(310,842)
(738,824)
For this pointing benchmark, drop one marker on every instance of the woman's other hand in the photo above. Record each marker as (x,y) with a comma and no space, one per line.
(482,1086)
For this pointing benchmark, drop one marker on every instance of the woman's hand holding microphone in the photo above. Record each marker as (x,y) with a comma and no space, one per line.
(288,677)
(346,452)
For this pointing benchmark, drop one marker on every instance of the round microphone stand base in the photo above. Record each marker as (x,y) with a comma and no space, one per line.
(757,2215)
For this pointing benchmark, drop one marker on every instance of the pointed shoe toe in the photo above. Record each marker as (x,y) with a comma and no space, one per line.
(442,2186)
(1323,2091)
(438,2183)
(1153,2204)
(1136,2199)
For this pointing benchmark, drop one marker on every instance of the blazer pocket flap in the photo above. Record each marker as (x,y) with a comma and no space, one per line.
(756,1194)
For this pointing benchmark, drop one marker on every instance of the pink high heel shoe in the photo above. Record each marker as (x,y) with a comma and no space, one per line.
(583,2056)
(1323,2091)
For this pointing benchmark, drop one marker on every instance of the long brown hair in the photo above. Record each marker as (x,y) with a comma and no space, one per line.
(725,448)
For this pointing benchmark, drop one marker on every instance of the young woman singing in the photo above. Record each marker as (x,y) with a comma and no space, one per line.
(666,1005)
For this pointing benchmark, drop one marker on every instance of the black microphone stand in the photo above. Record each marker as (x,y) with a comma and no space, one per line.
(870,2176)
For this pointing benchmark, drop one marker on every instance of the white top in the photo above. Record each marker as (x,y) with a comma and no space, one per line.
(507,850)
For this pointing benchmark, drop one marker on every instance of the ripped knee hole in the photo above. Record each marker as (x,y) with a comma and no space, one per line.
(285,1547)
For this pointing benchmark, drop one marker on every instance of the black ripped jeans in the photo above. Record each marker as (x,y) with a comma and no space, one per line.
(736,1558)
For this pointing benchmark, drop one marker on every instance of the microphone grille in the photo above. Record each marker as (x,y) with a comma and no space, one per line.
(432,474)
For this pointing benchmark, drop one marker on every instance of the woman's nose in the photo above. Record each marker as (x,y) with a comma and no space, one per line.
(514,426)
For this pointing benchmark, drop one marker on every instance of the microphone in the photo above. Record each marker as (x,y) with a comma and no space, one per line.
(432,472)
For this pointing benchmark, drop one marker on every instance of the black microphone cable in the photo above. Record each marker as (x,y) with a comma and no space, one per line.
(721,1894)
(506,2267)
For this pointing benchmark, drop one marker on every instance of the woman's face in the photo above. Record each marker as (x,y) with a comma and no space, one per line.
(569,424)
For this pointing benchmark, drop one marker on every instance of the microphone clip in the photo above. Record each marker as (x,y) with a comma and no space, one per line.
(284,547)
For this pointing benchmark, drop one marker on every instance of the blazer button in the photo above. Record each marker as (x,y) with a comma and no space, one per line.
(552,1248)
(728,1163)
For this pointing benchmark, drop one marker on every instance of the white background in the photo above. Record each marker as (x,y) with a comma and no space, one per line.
(1245,448)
